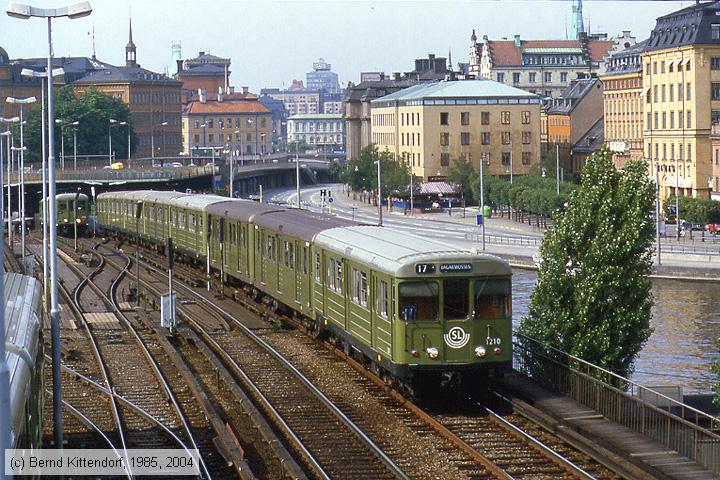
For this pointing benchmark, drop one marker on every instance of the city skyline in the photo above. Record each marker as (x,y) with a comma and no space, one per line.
(293,35)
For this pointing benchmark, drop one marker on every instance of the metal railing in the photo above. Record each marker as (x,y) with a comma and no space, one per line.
(689,249)
(149,174)
(505,240)
(678,427)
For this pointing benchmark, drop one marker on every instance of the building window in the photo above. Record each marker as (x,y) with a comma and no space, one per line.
(715,91)
(548,77)
(672,90)
(526,158)
(715,63)
(654,68)
(664,120)
(197,138)
(444,139)
(197,123)
(680,92)
(689,149)
(648,124)
(662,66)
(526,137)
(657,121)
(672,119)
(501,77)
(525,117)
(486,138)
(211,138)
(516,78)
(655,93)
(444,159)
(506,158)
(444,118)
(662,88)
(506,138)
(465,138)
(485,118)
(548,93)
(531,77)
(464,118)
(688,95)
(681,119)
(210,123)
(689,122)
(505,118)
(563,77)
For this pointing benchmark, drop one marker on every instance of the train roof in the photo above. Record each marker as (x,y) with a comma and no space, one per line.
(197,202)
(397,253)
(70,196)
(301,224)
(23,319)
(161,196)
(243,210)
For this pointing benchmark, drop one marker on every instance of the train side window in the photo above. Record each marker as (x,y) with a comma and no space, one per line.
(355,285)
(492,299)
(191,223)
(305,260)
(382,306)
(317,268)
(338,276)
(363,289)
(291,255)
(457,296)
(286,257)
(331,273)
(418,301)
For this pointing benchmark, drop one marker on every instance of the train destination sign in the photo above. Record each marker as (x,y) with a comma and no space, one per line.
(424,268)
(455,267)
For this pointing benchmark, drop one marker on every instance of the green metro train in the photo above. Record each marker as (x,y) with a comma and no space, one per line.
(420,313)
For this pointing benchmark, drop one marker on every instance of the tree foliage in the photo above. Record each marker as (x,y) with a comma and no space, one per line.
(463,174)
(361,173)
(530,193)
(93,110)
(593,295)
(695,209)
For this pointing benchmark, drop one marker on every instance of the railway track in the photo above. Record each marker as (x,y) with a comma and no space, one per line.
(328,442)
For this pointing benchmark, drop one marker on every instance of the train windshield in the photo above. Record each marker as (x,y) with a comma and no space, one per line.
(418,301)
(457,298)
(492,298)
(81,204)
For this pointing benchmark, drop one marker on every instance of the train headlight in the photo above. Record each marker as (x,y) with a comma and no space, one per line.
(480,351)
(65,220)
(432,352)
(78,220)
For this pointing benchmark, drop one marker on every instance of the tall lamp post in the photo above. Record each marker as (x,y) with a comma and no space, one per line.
(22,102)
(297,174)
(24,12)
(62,124)
(75,124)
(483,159)
(8,134)
(379,194)
(152,140)
(110,124)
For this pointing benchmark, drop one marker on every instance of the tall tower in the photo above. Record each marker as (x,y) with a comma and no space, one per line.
(130,50)
(175,57)
(578,25)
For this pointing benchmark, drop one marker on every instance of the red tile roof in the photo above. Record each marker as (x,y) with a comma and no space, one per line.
(226,106)
(504,52)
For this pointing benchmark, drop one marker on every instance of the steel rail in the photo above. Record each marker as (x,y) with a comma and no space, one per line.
(549,452)
(113,303)
(394,468)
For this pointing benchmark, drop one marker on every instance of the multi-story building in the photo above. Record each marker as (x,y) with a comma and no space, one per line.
(356,103)
(324,131)
(571,115)
(429,125)
(623,104)
(242,126)
(715,177)
(332,103)
(153,100)
(279,117)
(208,72)
(297,99)
(323,78)
(681,89)
(545,67)
(14,85)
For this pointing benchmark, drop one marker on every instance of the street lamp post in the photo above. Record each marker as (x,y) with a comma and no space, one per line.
(75,124)
(297,175)
(112,122)
(22,102)
(557,168)
(152,140)
(75,225)
(511,161)
(657,211)
(379,194)
(483,159)
(25,12)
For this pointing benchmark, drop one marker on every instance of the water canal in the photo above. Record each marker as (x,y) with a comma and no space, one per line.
(686,323)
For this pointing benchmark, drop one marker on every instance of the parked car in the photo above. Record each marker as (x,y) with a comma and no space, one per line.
(714,228)
(694,225)
(176,164)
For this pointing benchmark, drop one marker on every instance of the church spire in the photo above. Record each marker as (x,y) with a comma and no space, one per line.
(130,50)
(578,25)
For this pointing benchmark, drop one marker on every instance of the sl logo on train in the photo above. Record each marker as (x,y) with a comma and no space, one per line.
(456,337)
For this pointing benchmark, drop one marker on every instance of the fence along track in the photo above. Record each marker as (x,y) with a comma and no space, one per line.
(323,456)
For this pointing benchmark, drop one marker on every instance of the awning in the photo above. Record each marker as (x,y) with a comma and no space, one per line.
(434,188)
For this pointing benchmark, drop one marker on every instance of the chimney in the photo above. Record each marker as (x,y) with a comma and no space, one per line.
(201,94)
(396,76)
(220,94)
(517,41)
(245,89)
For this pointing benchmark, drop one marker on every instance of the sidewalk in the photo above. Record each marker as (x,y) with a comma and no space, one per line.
(687,266)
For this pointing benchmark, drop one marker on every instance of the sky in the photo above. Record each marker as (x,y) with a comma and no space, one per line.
(271,43)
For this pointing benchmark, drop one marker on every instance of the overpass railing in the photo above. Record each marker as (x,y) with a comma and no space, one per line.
(675,425)
(146,174)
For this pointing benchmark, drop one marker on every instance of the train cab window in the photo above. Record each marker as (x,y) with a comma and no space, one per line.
(81,205)
(492,299)
(457,295)
(418,301)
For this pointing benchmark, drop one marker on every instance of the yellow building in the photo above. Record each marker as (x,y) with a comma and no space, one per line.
(623,105)
(239,124)
(430,125)
(681,88)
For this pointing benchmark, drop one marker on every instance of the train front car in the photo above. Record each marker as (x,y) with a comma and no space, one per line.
(71,207)
(437,315)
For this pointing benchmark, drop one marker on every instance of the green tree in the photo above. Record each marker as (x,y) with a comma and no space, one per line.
(361,173)
(462,173)
(93,110)
(593,295)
